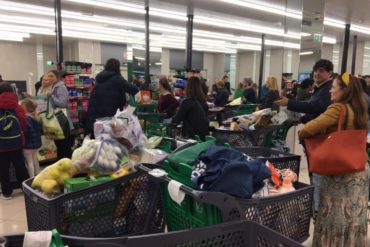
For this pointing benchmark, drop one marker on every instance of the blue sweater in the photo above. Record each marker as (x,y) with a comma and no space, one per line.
(317,104)
(33,133)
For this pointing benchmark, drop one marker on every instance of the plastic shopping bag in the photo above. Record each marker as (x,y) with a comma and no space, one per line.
(55,122)
(48,149)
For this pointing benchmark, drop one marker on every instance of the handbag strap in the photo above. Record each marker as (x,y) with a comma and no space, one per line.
(344,108)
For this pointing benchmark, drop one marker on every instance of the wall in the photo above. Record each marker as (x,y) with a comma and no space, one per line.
(307,62)
(18,62)
(247,65)
(208,65)
(219,66)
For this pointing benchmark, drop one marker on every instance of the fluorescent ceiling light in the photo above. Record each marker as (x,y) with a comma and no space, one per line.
(306,53)
(16,39)
(200,18)
(328,40)
(140,58)
(334,23)
(158,63)
(367,48)
(305,34)
(265,7)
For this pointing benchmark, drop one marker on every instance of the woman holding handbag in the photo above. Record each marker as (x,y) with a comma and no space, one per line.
(341,219)
(59,99)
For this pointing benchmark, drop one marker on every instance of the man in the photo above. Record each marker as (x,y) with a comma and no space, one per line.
(1,78)
(227,83)
(317,104)
(320,99)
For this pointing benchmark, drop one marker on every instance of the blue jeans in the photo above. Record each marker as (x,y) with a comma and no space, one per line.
(316,182)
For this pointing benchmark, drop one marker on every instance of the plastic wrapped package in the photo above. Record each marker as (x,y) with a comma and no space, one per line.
(109,157)
(124,127)
(100,157)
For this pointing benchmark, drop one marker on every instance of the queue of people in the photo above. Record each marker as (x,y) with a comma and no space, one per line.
(340,202)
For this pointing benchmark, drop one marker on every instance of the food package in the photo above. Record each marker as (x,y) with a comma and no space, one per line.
(124,127)
(52,177)
(48,149)
(109,157)
(83,156)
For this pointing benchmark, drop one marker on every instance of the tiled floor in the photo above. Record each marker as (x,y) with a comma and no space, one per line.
(13,215)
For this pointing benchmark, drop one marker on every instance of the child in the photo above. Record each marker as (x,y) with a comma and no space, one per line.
(12,127)
(33,136)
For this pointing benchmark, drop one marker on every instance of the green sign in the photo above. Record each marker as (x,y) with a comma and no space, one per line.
(317,37)
(49,62)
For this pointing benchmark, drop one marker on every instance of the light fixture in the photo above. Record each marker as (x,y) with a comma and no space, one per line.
(306,53)
(158,63)
(329,40)
(265,7)
(140,58)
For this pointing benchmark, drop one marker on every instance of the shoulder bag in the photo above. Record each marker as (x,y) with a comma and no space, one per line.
(338,153)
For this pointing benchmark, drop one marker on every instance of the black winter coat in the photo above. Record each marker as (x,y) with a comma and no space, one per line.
(317,104)
(194,115)
(107,96)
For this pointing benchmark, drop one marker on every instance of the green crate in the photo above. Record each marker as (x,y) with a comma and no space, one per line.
(75,184)
(179,165)
(277,135)
(165,146)
(191,214)
(155,129)
(148,108)
(248,107)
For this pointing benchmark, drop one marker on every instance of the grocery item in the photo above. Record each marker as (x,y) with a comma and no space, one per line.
(52,177)
(75,184)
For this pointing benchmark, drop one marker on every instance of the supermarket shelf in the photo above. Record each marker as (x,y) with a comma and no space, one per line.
(78,73)
(78,97)
(78,86)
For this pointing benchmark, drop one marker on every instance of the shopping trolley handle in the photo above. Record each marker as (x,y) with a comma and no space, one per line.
(228,205)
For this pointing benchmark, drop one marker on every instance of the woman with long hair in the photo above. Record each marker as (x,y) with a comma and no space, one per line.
(59,97)
(272,94)
(193,112)
(167,102)
(341,218)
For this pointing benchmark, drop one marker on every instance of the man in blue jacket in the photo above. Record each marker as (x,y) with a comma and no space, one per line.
(320,99)
(317,104)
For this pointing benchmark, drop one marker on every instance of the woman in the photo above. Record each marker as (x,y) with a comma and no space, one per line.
(239,91)
(46,86)
(222,96)
(305,89)
(59,97)
(108,94)
(249,94)
(167,102)
(272,94)
(193,111)
(341,219)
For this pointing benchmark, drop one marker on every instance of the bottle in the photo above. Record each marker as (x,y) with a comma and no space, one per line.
(287,186)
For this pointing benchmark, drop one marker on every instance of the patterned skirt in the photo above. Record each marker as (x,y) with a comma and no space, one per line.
(341,219)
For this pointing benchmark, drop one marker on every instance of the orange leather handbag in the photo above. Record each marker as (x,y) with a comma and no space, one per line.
(339,153)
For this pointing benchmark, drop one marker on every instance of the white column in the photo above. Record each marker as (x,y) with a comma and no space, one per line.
(233,80)
(165,70)
(208,64)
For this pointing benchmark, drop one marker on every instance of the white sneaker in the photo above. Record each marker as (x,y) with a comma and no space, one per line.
(6,197)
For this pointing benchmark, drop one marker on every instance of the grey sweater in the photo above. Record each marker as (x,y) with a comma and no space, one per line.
(60,99)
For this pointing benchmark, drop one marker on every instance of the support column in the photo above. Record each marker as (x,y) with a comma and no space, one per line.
(58,33)
(354,51)
(189,39)
(345,48)
(147,46)
(261,66)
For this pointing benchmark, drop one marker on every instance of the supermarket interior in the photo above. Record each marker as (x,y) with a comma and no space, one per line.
(184,123)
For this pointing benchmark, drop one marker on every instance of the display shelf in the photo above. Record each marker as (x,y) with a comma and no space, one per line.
(78,97)
(79,86)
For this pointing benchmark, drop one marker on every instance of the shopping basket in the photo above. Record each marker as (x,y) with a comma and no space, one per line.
(281,160)
(128,205)
(260,137)
(236,234)
(288,214)
(145,108)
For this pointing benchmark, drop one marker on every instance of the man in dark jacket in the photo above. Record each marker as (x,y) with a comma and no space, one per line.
(320,98)
(108,94)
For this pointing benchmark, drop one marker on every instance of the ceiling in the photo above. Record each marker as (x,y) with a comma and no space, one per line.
(220,25)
